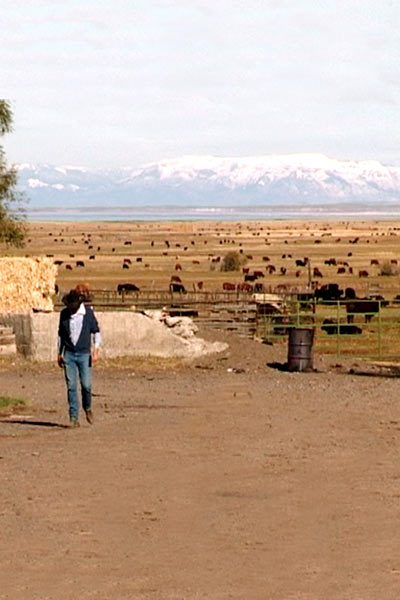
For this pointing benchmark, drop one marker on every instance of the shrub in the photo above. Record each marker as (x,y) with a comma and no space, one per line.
(232,262)
(388,269)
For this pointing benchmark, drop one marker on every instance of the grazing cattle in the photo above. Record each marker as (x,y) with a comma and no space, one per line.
(178,267)
(350,293)
(393,261)
(245,270)
(361,307)
(50,255)
(152,244)
(176,279)
(127,287)
(249,257)
(125,266)
(80,263)
(283,270)
(128,243)
(374,261)
(83,289)
(177,287)
(300,263)
(258,288)
(72,255)
(363,273)
(351,270)
(250,277)
(297,274)
(127,261)
(266,258)
(166,243)
(349,254)
(328,292)
(258,273)
(341,270)
(381,299)
(92,257)
(228,287)
(283,255)
(68,267)
(331,327)
(330,262)
(139,259)
(165,253)
(244,287)
(195,262)
(317,272)
(200,285)
(270,269)
(112,249)
(58,262)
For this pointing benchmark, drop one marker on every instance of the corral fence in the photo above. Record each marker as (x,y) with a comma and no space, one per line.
(230,311)
(359,328)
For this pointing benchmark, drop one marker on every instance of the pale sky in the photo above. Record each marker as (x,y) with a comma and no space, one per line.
(111,83)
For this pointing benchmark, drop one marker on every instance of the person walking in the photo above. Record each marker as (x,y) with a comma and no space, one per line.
(77,325)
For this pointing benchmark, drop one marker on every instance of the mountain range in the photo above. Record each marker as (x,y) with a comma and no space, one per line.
(211,181)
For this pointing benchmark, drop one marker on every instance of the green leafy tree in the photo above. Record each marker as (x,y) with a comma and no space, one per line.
(12,226)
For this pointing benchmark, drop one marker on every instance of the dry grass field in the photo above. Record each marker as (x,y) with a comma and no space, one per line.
(156,248)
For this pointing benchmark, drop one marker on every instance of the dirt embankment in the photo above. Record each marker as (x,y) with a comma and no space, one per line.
(223,478)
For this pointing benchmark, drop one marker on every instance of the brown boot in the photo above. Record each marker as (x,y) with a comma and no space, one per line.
(89,416)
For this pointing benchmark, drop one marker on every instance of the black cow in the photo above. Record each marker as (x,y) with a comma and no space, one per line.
(328,292)
(177,287)
(80,263)
(127,287)
(331,327)
(368,308)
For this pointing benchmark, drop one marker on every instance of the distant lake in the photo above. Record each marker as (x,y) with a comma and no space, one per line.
(261,213)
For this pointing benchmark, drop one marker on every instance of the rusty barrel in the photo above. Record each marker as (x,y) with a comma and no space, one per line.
(300,349)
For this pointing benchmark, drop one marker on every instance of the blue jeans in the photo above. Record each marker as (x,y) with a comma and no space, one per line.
(74,363)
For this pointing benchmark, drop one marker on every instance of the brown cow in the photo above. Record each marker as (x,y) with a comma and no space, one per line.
(317,272)
(178,267)
(228,287)
(244,287)
(176,279)
(363,273)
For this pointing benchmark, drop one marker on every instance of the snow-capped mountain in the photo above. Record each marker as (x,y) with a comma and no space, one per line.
(293,179)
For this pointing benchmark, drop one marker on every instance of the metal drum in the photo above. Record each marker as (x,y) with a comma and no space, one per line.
(300,356)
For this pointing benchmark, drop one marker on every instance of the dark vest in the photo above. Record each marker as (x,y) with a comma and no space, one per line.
(89,326)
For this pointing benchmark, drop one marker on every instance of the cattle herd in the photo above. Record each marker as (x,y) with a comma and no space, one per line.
(337,260)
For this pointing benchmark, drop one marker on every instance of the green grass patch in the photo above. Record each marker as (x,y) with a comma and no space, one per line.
(6,401)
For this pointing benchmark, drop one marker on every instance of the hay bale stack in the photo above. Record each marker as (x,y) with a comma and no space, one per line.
(26,284)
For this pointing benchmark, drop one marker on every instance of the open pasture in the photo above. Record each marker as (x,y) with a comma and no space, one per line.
(153,252)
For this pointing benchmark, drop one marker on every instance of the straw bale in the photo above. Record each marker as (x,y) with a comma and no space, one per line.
(26,284)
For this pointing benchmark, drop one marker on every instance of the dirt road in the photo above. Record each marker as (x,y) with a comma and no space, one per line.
(221,479)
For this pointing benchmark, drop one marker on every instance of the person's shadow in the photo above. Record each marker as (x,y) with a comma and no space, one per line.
(18,421)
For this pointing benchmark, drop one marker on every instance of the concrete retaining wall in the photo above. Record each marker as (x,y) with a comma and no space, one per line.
(124,334)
